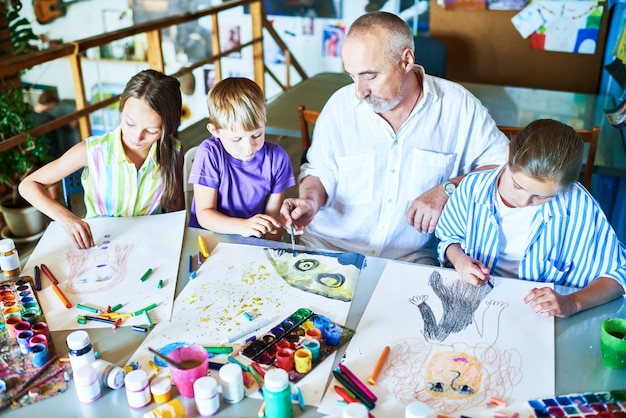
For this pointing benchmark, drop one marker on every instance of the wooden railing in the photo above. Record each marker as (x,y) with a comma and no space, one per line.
(74,51)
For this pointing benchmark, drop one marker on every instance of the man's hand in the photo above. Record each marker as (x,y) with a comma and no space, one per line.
(424,212)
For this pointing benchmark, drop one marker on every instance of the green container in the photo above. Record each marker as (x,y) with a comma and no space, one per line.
(277,394)
(613,343)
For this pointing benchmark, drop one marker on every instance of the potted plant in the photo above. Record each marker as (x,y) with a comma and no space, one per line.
(15,118)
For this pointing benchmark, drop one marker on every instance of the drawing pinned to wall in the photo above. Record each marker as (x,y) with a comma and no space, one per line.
(308,26)
(209,78)
(210,309)
(465,4)
(561,26)
(109,274)
(333,39)
(453,346)
(505,4)
(230,38)
(315,8)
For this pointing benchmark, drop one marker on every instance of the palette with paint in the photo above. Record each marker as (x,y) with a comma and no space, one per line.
(298,343)
(611,404)
(22,314)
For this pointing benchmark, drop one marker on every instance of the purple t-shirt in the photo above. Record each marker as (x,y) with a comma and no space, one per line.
(242,187)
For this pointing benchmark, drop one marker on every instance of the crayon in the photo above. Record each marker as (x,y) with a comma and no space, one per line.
(237,362)
(61,296)
(148,319)
(147,308)
(199,258)
(379,366)
(117,323)
(190,263)
(219,350)
(154,366)
(49,274)
(160,285)
(248,316)
(37,278)
(117,307)
(87,308)
(98,319)
(193,275)
(258,368)
(139,328)
(145,275)
(261,412)
(344,369)
(353,388)
(257,376)
(347,397)
(203,248)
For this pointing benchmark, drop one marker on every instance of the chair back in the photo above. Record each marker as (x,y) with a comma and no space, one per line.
(71,186)
(190,154)
(306,117)
(589,136)
(431,54)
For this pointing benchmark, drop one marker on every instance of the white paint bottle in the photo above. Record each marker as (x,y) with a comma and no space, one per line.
(232,382)
(137,389)
(206,395)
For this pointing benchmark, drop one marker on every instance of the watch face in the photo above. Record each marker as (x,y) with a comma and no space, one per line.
(449,188)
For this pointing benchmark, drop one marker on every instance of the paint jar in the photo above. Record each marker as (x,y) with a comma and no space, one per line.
(137,389)
(284,359)
(40,328)
(418,410)
(355,410)
(320,323)
(80,349)
(9,259)
(172,409)
(109,374)
(23,340)
(277,394)
(333,334)
(313,346)
(39,339)
(161,389)
(207,398)
(231,376)
(86,383)
(314,333)
(38,354)
(303,360)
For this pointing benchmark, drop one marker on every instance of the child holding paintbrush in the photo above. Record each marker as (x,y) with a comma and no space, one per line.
(239,179)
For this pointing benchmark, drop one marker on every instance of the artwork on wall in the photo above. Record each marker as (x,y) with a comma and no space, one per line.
(333,39)
(453,346)
(317,8)
(110,273)
(561,26)
(268,285)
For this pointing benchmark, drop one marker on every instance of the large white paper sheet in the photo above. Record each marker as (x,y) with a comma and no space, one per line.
(503,350)
(110,273)
(237,278)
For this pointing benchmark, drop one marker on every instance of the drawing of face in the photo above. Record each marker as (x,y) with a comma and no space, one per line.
(98,269)
(330,275)
(453,375)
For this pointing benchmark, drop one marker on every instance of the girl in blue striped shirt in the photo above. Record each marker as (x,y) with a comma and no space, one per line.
(531,219)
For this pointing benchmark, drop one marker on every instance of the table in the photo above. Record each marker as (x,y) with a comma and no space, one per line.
(579,366)
(513,106)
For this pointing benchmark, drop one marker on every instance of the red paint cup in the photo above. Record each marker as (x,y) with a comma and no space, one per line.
(22,326)
(40,328)
(39,339)
(11,323)
(284,359)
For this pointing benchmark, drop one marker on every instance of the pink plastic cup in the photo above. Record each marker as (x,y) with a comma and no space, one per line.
(195,360)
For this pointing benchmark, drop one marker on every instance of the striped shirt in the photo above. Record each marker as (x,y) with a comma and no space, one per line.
(571,241)
(113,186)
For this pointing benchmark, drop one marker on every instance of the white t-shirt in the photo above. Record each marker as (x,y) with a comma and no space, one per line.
(372,175)
(515,227)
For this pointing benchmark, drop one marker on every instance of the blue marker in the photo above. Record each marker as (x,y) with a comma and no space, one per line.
(193,275)
(190,263)
(248,316)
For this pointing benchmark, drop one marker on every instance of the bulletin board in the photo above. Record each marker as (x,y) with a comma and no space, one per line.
(485,47)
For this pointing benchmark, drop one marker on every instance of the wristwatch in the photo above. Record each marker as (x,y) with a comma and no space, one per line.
(448,187)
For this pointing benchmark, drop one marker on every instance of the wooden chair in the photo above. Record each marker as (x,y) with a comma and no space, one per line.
(589,136)
(190,155)
(306,118)
(71,186)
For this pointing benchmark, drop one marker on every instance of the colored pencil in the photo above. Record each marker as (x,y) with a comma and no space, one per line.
(353,388)
(346,397)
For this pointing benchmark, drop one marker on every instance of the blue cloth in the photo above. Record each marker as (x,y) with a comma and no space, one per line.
(571,241)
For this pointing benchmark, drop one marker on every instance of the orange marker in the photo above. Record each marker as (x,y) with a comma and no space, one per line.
(61,296)
(379,365)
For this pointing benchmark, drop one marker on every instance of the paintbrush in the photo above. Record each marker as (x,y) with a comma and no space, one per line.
(293,241)
(166,359)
